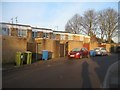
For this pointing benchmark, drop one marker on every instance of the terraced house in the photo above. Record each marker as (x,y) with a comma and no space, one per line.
(18,37)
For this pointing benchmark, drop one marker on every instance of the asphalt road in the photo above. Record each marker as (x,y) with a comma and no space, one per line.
(62,73)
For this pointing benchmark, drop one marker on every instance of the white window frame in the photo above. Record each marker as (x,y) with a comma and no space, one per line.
(70,37)
(45,35)
(81,38)
(34,34)
(21,32)
(62,37)
(5,31)
(54,36)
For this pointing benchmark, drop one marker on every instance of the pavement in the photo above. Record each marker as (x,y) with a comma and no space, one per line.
(12,67)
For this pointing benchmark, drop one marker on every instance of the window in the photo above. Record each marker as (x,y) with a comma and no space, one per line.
(45,35)
(62,37)
(70,37)
(97,49)
(81,38)
(76,49)
(5,31)
(34,34)
(22,33)
(83,49)
(103,49)
(53,36)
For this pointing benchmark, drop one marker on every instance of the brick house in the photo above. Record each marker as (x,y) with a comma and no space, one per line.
(14,38)
(25,37)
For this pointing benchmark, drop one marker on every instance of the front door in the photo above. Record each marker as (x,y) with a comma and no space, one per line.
(61,50)
(66,49)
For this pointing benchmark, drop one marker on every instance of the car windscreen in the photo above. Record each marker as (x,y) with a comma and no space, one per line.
(103,49)
(76,49)
(96,49)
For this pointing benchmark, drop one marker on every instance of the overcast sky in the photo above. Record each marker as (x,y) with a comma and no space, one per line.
(49,14)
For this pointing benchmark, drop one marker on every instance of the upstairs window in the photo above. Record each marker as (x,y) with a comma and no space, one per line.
(62,37)
(70,37)
(22,33)
(34,34)
(81,38)
(53,36)
(45,35)
(5,31)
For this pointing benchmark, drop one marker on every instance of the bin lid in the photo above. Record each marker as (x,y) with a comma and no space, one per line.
(44,50)
(92,50)
(28,52)
(18,52)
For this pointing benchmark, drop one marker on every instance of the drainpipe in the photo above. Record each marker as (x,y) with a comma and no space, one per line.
(36,51)
(35,35)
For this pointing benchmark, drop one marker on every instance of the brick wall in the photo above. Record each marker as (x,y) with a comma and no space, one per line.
(108,47)
(93,45)
(66,37)
(10,45)
(76,38)
(53,46)
(31,47)
(29,36)
(74,44)
(58,36)
(14,32)
(50,45)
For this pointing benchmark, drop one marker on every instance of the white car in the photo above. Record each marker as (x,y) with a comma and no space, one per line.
(101,51)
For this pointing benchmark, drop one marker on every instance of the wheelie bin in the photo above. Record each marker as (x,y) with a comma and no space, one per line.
(45,55)
(19,58)
(27,57)
(92,53)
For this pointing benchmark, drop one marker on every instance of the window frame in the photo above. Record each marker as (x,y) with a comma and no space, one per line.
(5,31)
(21,32)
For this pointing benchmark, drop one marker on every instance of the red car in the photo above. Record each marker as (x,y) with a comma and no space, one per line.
(78,53)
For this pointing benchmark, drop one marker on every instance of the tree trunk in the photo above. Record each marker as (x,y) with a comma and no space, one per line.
(109,39)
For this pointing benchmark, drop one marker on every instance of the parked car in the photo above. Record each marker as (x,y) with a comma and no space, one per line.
(101,51)
(78,53)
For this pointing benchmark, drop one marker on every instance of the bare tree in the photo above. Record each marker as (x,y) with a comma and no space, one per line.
(108,21)
(74,24)
(89,22)
(102,24)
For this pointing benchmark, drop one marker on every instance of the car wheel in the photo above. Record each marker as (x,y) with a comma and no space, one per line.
(81,56)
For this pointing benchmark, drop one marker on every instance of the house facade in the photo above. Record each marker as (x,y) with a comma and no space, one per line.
(14,38)
(18,37)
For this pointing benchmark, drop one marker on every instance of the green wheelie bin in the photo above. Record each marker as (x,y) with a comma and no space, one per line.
(19,58)
(27,57)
